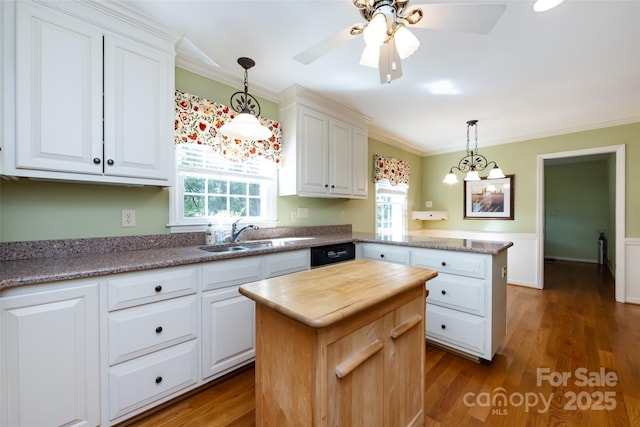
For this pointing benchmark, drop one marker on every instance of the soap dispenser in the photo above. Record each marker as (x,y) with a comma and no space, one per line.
(209,235)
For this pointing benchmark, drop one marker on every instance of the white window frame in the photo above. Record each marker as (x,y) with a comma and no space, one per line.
(179,223)
(400,194)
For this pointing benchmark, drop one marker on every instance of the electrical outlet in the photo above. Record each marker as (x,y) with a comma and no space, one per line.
(303,213)
(128,218)
(428,204)
(294,216)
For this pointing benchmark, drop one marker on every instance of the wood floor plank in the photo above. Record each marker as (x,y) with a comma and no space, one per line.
(571,326)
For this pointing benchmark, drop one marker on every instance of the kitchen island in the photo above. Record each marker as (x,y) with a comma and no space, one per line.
(341,345)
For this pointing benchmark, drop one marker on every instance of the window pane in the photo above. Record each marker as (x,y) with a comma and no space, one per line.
(193,206)
(254,189)
(193,185)
(238,188)
(217,186)
(254,207)
(237,206)
(217,204)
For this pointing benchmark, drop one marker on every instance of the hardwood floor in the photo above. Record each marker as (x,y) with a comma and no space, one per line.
(574,327)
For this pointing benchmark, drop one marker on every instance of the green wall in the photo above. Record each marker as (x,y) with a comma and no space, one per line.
(576,206)
(520,159)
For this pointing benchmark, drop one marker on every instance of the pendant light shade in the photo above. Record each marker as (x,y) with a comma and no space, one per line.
(245,126)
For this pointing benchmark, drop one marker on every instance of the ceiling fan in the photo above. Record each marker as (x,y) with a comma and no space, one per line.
(386,33)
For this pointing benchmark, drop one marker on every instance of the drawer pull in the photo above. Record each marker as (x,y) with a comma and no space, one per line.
(443,326)
(444,263)
(443,292)
(405,326)
(158,288)
(349,365)
(158,380)
(158,329)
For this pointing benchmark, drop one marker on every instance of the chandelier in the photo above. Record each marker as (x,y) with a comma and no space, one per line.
(473,162)
(386,35)
(245,126)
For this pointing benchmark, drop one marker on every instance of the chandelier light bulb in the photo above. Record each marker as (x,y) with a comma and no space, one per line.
(245,126)
(375,33)
(406,42)
(472,175)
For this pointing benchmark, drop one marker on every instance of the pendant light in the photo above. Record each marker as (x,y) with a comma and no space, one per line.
(245,125)
(473,162)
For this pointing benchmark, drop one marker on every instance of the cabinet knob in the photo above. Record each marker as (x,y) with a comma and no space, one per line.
(96,160)
(381,255)
(333,186)
(443,292)
(158,329)
(158,380)
(444,263)
(326,186)
(110,162)
(443,326)
(158,288)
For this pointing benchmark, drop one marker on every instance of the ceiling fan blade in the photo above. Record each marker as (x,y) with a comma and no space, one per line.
(465,18)
(309,55)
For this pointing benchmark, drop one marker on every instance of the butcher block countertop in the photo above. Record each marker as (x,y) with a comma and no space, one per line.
(324,296)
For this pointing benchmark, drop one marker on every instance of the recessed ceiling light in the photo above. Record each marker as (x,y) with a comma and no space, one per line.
(443,87)
(544,5)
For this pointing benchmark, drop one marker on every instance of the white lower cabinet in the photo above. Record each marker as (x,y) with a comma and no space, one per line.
(228,325)
(145,380)
(467,302)
(228,318)
(50,373)
(152,339)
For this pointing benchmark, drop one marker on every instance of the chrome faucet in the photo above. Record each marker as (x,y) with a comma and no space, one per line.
(235,233)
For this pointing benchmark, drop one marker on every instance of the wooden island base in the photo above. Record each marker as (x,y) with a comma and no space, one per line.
(341,346)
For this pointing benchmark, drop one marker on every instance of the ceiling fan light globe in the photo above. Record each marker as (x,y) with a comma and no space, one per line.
(496,173)
(375,32)
(245,127)
(406,42)
(370,56)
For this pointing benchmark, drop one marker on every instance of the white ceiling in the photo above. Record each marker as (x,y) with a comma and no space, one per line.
(572,68)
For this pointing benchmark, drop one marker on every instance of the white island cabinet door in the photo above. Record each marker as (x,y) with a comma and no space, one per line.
(138,92)
(58,92)
(50,358)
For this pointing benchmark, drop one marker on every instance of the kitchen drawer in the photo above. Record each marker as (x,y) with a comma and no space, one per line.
(127,290)
(141,330)
(457,292)
(388,253)
(462,330)
(220,274)
(463,264)
(146,379)
(286,263)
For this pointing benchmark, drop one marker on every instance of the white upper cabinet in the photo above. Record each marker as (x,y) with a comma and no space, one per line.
(93,102)
(325,147)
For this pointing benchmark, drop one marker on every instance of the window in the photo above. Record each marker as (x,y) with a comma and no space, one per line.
(209,185)
(391,208)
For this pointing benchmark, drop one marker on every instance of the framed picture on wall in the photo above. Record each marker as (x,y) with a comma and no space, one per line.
(489,198)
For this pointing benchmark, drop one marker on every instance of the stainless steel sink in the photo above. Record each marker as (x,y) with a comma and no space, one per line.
(240,246)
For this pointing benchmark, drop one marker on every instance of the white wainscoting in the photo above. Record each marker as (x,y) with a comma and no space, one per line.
(632,273)
(522,258)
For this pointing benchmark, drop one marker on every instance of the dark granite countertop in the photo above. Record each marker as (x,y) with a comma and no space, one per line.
(50,267)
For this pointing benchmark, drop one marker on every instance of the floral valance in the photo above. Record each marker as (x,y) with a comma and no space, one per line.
(198,120)
(394,170)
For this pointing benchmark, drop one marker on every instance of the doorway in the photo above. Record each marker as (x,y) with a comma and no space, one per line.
(618,211)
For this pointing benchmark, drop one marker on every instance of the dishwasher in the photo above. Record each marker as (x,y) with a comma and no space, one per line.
(330,254)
